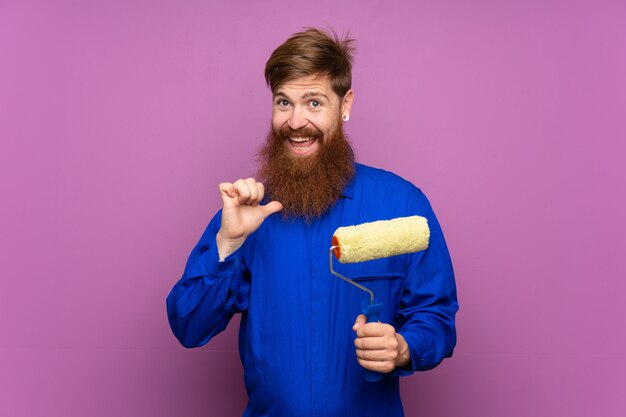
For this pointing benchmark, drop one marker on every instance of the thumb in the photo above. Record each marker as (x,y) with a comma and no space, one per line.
(360,321)
(271,208)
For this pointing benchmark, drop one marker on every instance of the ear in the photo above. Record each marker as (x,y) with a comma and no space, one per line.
(346,102)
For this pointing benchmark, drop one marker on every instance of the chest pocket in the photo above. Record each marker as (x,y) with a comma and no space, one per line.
(387,289)
(373,277)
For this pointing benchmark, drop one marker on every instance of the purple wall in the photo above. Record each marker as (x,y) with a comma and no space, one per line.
(119,119)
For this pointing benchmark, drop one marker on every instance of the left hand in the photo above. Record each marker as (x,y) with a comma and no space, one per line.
(378,346)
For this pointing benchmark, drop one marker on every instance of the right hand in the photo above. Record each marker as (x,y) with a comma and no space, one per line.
(241,213)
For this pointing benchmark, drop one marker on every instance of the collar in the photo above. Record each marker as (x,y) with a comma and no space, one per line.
(348,191)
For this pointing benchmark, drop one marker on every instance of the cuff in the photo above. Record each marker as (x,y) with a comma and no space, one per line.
(225,268)
(418,354)
(231,269)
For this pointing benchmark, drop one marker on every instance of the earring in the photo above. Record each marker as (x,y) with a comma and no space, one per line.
(346,117)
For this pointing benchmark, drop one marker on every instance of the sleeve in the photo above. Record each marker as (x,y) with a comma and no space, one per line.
(209,293)
(429,301)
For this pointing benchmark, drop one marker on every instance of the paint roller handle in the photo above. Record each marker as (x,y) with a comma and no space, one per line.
(372,312)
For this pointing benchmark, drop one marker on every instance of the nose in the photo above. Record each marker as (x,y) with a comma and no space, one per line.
(297,119)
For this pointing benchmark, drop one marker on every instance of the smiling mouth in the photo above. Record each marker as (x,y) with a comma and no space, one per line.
(301,144)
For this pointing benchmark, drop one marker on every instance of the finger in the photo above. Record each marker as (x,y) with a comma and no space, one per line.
(243,191)
(372,330)
(227,193)
(271,208)
(254,191)
(261,190)
(386,342)
(227,188)
(383,367)
(360,321)
(377,355)
(370,343)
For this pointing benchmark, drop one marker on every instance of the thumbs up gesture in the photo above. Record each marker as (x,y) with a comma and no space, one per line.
(241,213)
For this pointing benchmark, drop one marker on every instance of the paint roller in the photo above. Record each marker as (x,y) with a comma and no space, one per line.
(375,240)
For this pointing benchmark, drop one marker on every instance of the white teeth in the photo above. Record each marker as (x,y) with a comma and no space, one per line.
(301,145)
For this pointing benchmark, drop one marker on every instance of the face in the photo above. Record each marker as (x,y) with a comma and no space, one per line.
(307,111)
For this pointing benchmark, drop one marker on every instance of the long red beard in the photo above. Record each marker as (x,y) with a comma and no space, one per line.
(306,186)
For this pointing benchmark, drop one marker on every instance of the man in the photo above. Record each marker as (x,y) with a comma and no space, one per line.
(303,344)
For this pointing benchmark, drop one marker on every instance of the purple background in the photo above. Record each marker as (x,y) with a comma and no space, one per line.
(118,120)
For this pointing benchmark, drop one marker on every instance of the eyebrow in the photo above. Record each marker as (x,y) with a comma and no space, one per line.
(314,94)
(306,95)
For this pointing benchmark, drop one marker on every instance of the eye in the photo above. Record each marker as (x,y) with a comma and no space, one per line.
(282,102)
(315,104)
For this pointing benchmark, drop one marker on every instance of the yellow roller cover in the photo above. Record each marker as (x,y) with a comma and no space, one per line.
(381,239)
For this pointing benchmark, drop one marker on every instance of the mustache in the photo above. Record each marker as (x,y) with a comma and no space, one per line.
(305,131)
